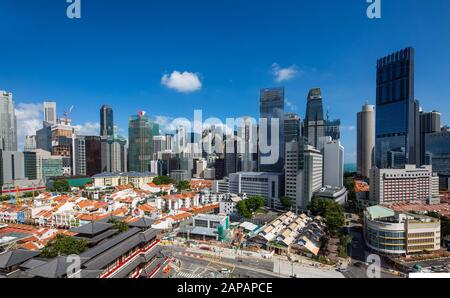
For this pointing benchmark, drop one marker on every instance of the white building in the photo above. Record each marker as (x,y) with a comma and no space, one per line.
(303,173)
(50,112)
(365,140)
(8,122)
(228,205)
(409,185)
(333,165)
(201,166)
(267,185)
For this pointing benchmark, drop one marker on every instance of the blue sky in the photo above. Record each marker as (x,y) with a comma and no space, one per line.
(120,50)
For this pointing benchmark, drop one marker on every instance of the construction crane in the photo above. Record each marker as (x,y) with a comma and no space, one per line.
(67,114)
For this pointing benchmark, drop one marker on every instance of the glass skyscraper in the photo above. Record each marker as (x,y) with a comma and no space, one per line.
(8,122)
(397,111)
(292,127)
(314,127)
(272,107)
(106,121)
(140,149)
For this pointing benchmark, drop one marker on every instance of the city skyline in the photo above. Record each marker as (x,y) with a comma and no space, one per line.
(345,74)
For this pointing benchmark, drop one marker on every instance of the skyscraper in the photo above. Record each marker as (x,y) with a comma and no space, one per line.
(272,108)
(8,122)
(248,145)
(397,118)
(365,140)
(114,154)
(333,163)
(292,127)
(106,121)
(50,112)
(430,122)
(140,135)
(314,127)
(87,155)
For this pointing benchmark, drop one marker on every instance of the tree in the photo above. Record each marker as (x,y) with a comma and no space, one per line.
(254,203)
(5,198)
(183,185)
(61,186)
(163,180)
(63,245)
(331,211)
(119,225)
(286,202)
(243,209)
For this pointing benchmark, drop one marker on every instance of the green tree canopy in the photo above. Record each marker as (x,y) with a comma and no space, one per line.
(61,186)
(286,202)
(243,209)
(163,180)
(183,185)
(331,211)
(255,203)
(119,225)
(63,245)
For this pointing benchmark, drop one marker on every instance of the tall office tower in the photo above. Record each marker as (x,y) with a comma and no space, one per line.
(180,142)
(33,163)
(333,163)
(114,154)
(11,167)
(50,112)
(292,127)
(397,117)
(44,138)
(247,146)
(140,149)
(232,164)
(159,144)
(8,122)
(88,155)
(272,108)
(430,122)
(365,140)
(30,143)
(303,173)
(106,121)
(169,142)
(333,129)
(63,144)
(437,149)
(314,126)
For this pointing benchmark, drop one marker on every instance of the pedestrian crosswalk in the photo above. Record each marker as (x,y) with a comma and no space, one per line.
(187,275)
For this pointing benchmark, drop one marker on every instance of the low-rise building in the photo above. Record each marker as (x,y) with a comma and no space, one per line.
(337,194)
(393,233)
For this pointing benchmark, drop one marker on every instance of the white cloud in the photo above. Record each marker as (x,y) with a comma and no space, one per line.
(348,127)
(170,125)
(292,106)
(284,74)
(29,119)
(88,129)
(182,82)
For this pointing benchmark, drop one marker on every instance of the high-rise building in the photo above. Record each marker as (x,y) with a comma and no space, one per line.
(50,112)
(397,116)
(44,137)
(333,129)
(11,167)
(272,108)
(314,126)
(408,185)
(303,173)
(8,122)
(430,122)
(30,143)
(106,121)
(159,145)
(114,154)
(232,163)
(140,143)
(169,142)
(88,154)
(247,146)
(333,164)
(33,162)
(437,148)
(292,127)
(63,144)
(52,166)
(365,140)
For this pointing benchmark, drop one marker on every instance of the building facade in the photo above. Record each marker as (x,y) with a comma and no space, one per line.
(140,148)
(408,185)
(106,121)
(365,140)
(395,96)
(333,164)
(272,108)
(8,122)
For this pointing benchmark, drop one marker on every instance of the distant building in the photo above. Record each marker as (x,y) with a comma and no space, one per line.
(88,153)
(140,148)
(409,185)
(208,226)
(437,148)
(138,180)
(292,127)
(114,154)
(272,108)
(106,121)
(391,233)
(52,166)
(33,161)
(336,194)
(267,185)
(11,167)
(314,127)
(365,140)
(247,145)
(50,112)
(179,175)
(430,122)
(333,164)
(8,122)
